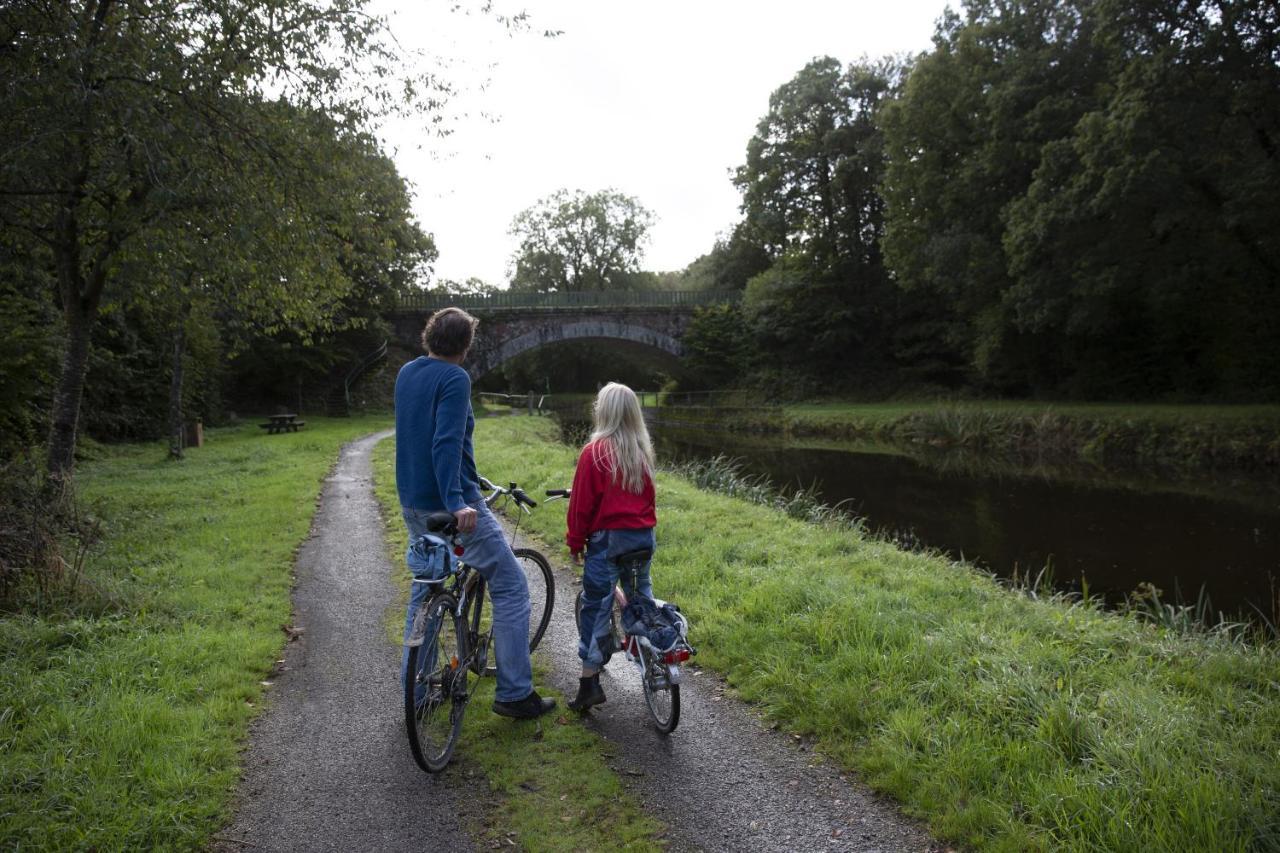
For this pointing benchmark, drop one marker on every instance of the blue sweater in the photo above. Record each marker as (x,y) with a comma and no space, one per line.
(435,465)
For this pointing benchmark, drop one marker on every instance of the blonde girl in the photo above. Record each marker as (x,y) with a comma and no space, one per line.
(611,513)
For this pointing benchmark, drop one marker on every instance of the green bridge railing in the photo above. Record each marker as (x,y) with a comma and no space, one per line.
(577,299)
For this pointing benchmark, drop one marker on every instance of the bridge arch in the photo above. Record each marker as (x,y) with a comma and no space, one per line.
(485,359)
(514,323)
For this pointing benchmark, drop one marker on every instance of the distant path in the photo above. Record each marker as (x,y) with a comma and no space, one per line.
(329,767)
(723,780)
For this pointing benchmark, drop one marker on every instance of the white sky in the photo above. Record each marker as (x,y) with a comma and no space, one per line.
(656,99)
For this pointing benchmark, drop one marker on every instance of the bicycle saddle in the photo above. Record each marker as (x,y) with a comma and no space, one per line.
(633,558)
(441,522)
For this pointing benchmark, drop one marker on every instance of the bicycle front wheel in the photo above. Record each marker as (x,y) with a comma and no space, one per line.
(660,695)
(437,687)
(542,592)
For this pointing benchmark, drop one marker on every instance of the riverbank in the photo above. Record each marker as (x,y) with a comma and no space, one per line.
(1175,437)
(121,717)
(1008,723)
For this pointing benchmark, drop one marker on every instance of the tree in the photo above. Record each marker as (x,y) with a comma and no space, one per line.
(124,114)
(718,351)
(730,264)
(1146,240)
(364,234)
(1083,186)
(575,241)
(811,202)
(964,141)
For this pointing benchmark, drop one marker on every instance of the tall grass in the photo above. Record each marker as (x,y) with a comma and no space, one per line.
(725,475)
(1236,438)
(1009,722)
(120,723)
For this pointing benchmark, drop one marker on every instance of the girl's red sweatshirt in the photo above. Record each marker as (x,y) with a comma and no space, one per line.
(598,502)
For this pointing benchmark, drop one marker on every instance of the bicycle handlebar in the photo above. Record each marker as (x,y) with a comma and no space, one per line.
(559,493)
(518,494)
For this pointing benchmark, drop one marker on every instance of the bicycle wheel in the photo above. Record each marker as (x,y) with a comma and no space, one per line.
(660,695)
(542,592)
(436,693)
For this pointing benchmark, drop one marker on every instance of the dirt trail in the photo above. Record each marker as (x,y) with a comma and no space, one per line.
(723,780)
(328,767)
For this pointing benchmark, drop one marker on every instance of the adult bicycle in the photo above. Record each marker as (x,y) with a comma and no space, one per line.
(659,669)
(451,635)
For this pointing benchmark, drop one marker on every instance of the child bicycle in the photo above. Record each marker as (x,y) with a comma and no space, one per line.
(450,637)
(660,672)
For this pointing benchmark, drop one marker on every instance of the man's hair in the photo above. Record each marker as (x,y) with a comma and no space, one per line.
(448,332)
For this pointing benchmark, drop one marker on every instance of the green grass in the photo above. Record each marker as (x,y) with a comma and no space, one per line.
(1008,723)
(1237,438)
(1169,413)
(120,720)
(551,786)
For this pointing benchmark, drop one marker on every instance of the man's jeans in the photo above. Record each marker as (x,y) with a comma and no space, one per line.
(487,550)
(599,573)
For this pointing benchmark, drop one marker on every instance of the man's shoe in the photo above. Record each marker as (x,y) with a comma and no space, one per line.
(527,708)
(589,693)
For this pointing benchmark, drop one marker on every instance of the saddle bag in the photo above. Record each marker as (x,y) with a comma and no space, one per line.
(429,559)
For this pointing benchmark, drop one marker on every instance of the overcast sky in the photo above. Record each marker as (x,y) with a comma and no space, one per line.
(656,99)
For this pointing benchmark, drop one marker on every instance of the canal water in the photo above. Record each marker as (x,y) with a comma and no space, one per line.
(1113,532)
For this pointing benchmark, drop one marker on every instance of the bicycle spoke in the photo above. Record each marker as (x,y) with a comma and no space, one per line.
(660,695)
(438,688)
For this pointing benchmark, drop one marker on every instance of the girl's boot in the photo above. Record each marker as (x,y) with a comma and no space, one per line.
(589,693)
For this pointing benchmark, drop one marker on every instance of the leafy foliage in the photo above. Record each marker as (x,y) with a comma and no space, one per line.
(1061,198)
(1083,186)
(812,205)
(128,120)
(575,241)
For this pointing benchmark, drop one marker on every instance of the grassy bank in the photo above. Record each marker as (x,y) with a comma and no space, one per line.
(1237,438)
(551,786)
(1009,723)
(120,719)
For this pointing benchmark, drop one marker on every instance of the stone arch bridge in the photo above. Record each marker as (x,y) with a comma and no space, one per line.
(514,323)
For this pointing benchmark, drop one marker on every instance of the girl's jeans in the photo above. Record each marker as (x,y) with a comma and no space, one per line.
(487,550)
(600,572)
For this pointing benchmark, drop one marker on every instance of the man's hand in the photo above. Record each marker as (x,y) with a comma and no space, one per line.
(578,558)
(466,519)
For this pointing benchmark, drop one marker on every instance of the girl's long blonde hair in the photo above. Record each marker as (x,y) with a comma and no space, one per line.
(619,427)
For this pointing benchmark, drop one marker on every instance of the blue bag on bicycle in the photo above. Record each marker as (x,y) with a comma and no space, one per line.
(428,558)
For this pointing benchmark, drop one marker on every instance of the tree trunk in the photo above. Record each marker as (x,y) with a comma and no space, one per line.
(175,392)
(70,391)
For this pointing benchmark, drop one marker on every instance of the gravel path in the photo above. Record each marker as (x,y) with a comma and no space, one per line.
(328,767)
(722,780)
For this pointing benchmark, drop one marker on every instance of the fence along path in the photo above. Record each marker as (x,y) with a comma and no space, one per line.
(507,300)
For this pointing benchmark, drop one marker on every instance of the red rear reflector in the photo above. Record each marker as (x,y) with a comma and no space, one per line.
(457,550)
(678,656)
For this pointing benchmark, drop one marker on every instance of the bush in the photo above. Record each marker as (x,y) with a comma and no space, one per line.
(44,538)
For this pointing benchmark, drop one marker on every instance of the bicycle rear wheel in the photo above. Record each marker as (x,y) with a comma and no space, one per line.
(542,592)
(437,688)
(660,695)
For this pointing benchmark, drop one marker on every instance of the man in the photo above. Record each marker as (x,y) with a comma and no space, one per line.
(436,470)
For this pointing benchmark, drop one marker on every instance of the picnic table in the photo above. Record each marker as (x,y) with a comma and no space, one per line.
(287,422)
